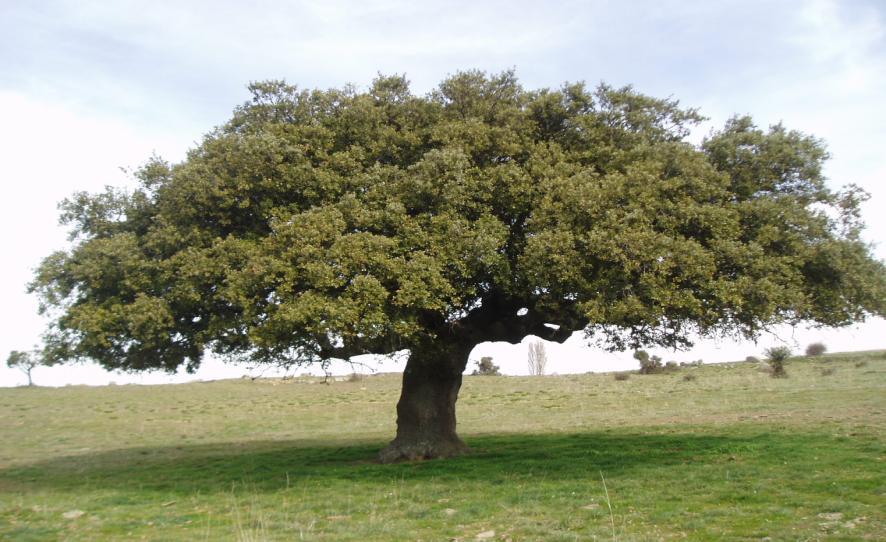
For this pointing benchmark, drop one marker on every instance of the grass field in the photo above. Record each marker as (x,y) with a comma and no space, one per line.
(725,454)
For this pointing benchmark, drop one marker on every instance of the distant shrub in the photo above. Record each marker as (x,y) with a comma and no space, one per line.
(778,353)
(860,364)
(355,377)
(776,356)
(671,366)
(485,367)
(648,365)
(689,377)
(622,376)
(752,359)
(816,349)
(827,371)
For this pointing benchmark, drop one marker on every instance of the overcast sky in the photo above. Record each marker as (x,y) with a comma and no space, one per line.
(90,87)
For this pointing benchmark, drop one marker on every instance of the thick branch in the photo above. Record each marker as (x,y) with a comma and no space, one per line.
(497,320)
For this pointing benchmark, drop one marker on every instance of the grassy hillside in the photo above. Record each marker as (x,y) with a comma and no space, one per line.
(712,453)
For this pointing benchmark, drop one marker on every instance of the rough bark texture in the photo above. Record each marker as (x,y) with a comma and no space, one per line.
(426,410)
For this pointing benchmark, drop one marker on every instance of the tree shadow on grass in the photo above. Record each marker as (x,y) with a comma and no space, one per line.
(267,466)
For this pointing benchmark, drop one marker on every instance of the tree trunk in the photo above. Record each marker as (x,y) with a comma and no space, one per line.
(426,410)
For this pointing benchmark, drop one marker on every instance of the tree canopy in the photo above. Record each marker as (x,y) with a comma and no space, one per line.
(320,224)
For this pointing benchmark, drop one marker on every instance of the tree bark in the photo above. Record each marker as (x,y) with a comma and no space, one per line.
(426,410)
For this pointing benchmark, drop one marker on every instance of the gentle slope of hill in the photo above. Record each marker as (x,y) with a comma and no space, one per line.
(712,453)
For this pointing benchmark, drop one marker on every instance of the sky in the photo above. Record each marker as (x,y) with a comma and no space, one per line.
(90,90)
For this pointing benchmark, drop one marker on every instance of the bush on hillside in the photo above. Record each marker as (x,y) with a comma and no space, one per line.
(776,356)
(816,349)
(485,367)
(648,365)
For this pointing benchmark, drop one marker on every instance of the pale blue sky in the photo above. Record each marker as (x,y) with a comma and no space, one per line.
(150,61)
(89,86)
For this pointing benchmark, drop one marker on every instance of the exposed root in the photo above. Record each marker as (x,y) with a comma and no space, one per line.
(421,449)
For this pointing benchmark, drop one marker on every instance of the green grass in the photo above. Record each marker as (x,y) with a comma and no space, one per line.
(730,455)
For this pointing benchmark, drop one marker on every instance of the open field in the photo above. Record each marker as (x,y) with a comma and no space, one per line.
(729,455)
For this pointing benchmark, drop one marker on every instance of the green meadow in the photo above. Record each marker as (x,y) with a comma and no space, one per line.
(719,452)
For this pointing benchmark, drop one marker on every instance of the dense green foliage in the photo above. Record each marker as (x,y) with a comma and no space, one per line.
(321,224)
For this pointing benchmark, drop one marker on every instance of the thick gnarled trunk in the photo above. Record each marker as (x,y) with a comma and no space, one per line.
(426,410)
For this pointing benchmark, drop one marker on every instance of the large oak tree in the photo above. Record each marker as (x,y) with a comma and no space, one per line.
(316,225)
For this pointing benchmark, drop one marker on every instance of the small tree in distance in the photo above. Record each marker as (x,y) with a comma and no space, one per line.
(23,361)
(538,358)
(485,367)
